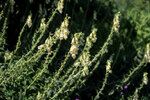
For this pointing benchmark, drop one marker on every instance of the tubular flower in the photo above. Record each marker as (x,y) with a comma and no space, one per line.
(60,6)
(29,21)
(145,78)
(40,47)
(85,71)
(77,64)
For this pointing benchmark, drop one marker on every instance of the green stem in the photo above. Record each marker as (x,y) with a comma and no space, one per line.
(19,38)
(103,86)
(2,13)
(18,43)
(34,37)
(131,75)
(134,71)
(57,74)
(4,33)
(65,84)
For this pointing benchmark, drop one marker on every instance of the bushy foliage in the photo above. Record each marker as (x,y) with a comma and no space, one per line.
(74,49)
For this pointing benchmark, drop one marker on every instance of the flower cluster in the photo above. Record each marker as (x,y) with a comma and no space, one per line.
(74,46)
(60,6)
(42,25)
(92,38)
(29,21)
(63,32)
(116,22)
(145,78)
(48,43)
(108,67)
(85,59)
(8,55)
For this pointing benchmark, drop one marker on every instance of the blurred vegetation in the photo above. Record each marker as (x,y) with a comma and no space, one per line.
(127,49)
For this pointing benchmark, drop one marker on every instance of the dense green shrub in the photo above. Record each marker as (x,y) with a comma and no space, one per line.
(74,49)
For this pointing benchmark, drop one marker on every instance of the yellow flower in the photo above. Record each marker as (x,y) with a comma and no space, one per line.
(29,21)
(60,6)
